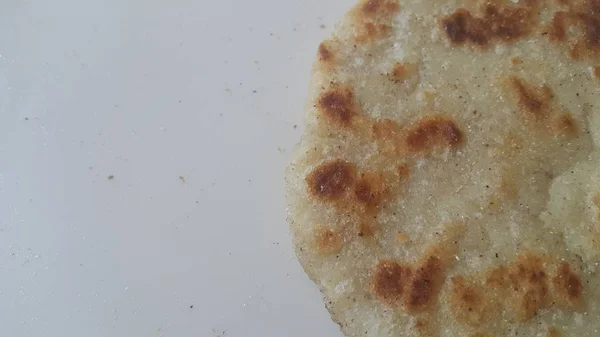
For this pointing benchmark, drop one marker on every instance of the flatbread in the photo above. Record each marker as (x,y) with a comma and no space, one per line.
(448,179)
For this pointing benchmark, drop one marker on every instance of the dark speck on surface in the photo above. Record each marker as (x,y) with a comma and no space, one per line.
(111,177)
(192,306)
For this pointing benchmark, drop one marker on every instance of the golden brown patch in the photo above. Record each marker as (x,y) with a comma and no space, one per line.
(532,101)
(389,281)
(366,227)
(340,184)
(497,22)
(425,285)
(402,238)
(331,180)
(506,192)
(325,54)
(372,32)
(519,289)
(373,19)
(338,105)
(401,72)
(584,15)
(370,189)
(564,125)
(516,60)
(385,129)
(597,72)
(386,133)
(431,132)
(597,200)
(528,280)
(552,332)
(403,172)
(558,26)
(468,302)
(567,285)
(416,287)
(478,334)
(373,8)
(327,241)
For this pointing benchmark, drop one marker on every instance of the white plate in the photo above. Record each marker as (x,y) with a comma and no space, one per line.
(147,92)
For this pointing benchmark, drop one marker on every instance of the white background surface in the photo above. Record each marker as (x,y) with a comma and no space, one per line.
(149,91)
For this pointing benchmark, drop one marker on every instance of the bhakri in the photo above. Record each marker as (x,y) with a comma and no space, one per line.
(448,179)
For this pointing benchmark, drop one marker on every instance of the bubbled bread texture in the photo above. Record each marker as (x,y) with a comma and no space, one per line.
(448,179)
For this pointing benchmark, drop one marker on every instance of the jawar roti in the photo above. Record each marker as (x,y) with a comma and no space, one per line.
(448,179)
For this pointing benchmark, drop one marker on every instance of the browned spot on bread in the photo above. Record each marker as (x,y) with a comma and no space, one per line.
(417,286)
(402,238)
(425,285)
(597,203)
(468,302)
(584,15)
(326,56)
(516,60)
(532,101)
(517,290)
(389,281)
(341,185)
(528,278)
(403,172)
(478,334)
(366,227)
(386,133)
(558,26)
(567,284)
(372,31)
(564,125)
(370,189)
(331,180)
(506,192)
(497,22)
(399,72)
(327,241)
(462,27)
(431,132)
(552,332)
(597,72)
(591,22)
(373,19)
(338,105)
(403,71)
(385,130)
(372,8)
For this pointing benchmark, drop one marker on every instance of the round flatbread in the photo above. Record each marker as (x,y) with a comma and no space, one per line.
(448,179)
